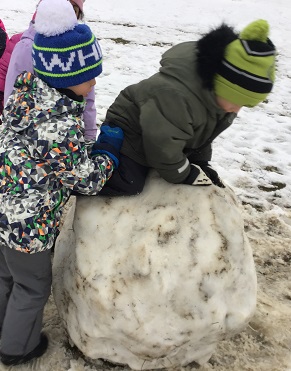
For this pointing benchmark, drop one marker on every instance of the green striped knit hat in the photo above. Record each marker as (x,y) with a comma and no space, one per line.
(247,72)
(64,52)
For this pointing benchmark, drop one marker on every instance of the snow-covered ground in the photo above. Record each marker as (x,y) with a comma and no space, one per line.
(253,156)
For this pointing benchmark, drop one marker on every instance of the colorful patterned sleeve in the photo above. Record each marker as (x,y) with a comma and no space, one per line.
(70,161)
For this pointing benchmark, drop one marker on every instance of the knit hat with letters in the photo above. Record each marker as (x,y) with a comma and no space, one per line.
(65,53)
(244,70)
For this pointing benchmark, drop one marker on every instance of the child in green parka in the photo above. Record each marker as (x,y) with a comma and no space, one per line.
(43,158)
(170,119)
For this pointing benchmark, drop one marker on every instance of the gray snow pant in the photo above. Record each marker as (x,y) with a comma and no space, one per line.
(25,286)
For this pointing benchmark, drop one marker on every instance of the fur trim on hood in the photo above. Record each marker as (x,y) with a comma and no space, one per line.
(211,49)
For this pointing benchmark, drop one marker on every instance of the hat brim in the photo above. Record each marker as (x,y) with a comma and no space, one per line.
(236,94)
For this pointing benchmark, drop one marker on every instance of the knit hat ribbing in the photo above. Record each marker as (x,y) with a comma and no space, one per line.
(247,72)
(64,52)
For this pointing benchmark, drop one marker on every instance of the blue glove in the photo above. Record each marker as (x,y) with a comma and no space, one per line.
(110,142)
(111,135)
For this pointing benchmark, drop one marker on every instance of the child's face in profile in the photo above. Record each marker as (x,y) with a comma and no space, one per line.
(84,88)
(227,106)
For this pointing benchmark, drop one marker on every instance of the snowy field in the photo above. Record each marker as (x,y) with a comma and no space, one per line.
(253,156)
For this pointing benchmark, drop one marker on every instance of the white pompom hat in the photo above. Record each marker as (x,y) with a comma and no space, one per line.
(65,53)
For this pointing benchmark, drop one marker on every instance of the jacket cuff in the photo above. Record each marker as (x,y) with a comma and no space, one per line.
(194,172)
(105,147)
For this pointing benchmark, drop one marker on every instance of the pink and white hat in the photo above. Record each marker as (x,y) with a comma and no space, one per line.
(80,4)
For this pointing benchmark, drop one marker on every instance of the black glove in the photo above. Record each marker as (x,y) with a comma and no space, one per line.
(197,177)
(110,142)
(211,173)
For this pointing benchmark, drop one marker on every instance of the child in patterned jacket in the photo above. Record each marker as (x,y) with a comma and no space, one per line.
(21,59)
(43,158)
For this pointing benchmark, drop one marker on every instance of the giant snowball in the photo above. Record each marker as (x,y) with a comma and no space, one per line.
(154,280)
